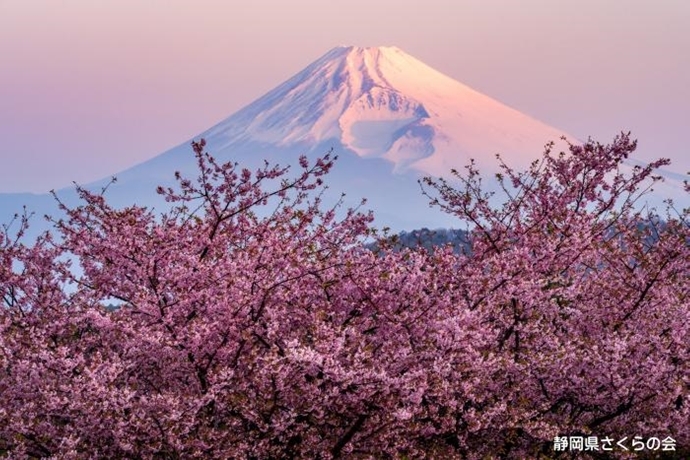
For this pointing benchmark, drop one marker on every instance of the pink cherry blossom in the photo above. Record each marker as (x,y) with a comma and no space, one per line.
(251,321)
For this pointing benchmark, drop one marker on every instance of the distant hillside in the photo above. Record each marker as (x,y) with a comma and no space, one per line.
(428,239)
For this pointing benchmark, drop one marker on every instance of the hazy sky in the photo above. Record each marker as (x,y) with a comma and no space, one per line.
(91,87)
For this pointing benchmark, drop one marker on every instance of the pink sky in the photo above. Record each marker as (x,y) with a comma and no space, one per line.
(88,88)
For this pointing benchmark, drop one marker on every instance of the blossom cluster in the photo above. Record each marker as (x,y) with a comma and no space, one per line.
(252,321)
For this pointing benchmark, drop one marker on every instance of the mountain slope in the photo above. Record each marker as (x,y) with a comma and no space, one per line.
(383,103)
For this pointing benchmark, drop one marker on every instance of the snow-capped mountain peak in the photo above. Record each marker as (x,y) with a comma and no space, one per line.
(381,102)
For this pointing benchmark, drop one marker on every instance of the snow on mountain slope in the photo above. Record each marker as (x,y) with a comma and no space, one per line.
(382,102)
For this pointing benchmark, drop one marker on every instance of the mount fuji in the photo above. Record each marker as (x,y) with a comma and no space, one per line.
(383,103)
(390,118)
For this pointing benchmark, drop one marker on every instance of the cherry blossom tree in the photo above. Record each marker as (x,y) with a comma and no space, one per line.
(586,295)
(252,321)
